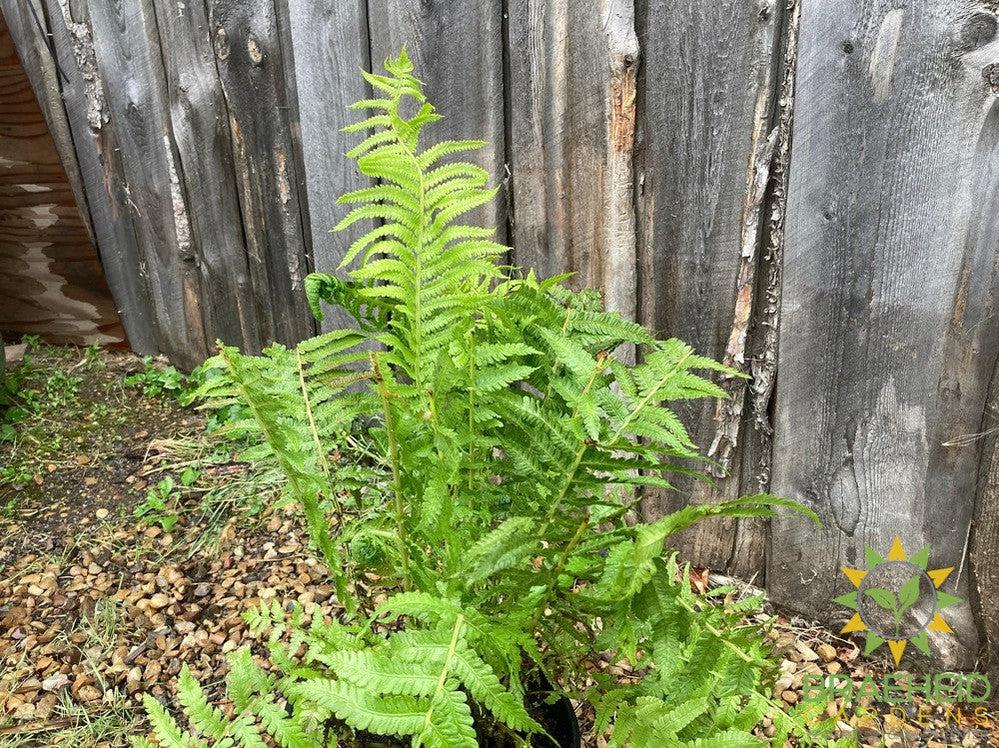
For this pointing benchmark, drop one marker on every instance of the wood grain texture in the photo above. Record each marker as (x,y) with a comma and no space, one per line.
(704,104)
(457,48)
(888,319)
(328,45)
(200,127)
(573,67)
(99,160)
(51,282)
(28,28)
(985,533)
(126,45)
(246,39)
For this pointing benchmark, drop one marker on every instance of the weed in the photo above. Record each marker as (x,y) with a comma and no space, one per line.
(60,389)
(156,381)
(92,357)
(157,509)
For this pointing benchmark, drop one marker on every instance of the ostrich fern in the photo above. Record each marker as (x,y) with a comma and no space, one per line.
(504,443)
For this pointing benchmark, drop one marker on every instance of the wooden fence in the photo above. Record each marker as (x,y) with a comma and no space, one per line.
(806,189)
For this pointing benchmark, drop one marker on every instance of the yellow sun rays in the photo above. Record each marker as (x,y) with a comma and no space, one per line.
(852,600)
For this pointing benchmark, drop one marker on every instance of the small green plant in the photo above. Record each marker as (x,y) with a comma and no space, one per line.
(503,443)
(157,381)
(17,402)
(60,389)
(92,356)
(159,506)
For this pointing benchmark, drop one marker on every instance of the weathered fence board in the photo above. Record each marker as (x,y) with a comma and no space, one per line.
(705,106)
(124,35)
(329,45)
(573,69)
(251,65)
(888,325)
(457,47)
(99,159)
(984,555)
(200,126)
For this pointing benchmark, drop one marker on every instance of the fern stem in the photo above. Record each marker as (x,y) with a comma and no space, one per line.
(578,458)
(557,366)
(560,565)
(400,509)
(647,399)
(471,408)
(721,637)
(553,509)
(315,522)
(320,452)
(459,622)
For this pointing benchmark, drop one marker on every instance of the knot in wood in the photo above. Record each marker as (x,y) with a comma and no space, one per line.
(980,30)
(991,76)
(253,49)
(221,44)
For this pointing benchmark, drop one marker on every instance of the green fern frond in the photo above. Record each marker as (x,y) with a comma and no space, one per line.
(205,718)
(364,710)
(168,733)
(498,433)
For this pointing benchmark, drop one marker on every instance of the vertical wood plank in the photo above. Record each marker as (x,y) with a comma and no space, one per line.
(573,67)
(457,48)
(246,40)
(705,104)
(328,46)
(985,532)
(101,167)
(127,52)
(888,320)
(200,126)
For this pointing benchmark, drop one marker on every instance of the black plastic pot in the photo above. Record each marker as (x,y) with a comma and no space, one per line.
(559,719)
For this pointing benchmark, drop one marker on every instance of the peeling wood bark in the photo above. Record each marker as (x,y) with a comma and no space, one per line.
(728,413)
(100,160)
(705,100)
(888,316)
(764,365)
(755,440)
(573,71)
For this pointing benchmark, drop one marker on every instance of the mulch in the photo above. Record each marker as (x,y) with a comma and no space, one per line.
(96,610)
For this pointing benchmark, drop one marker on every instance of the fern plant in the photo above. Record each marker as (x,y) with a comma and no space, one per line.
(506,440)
